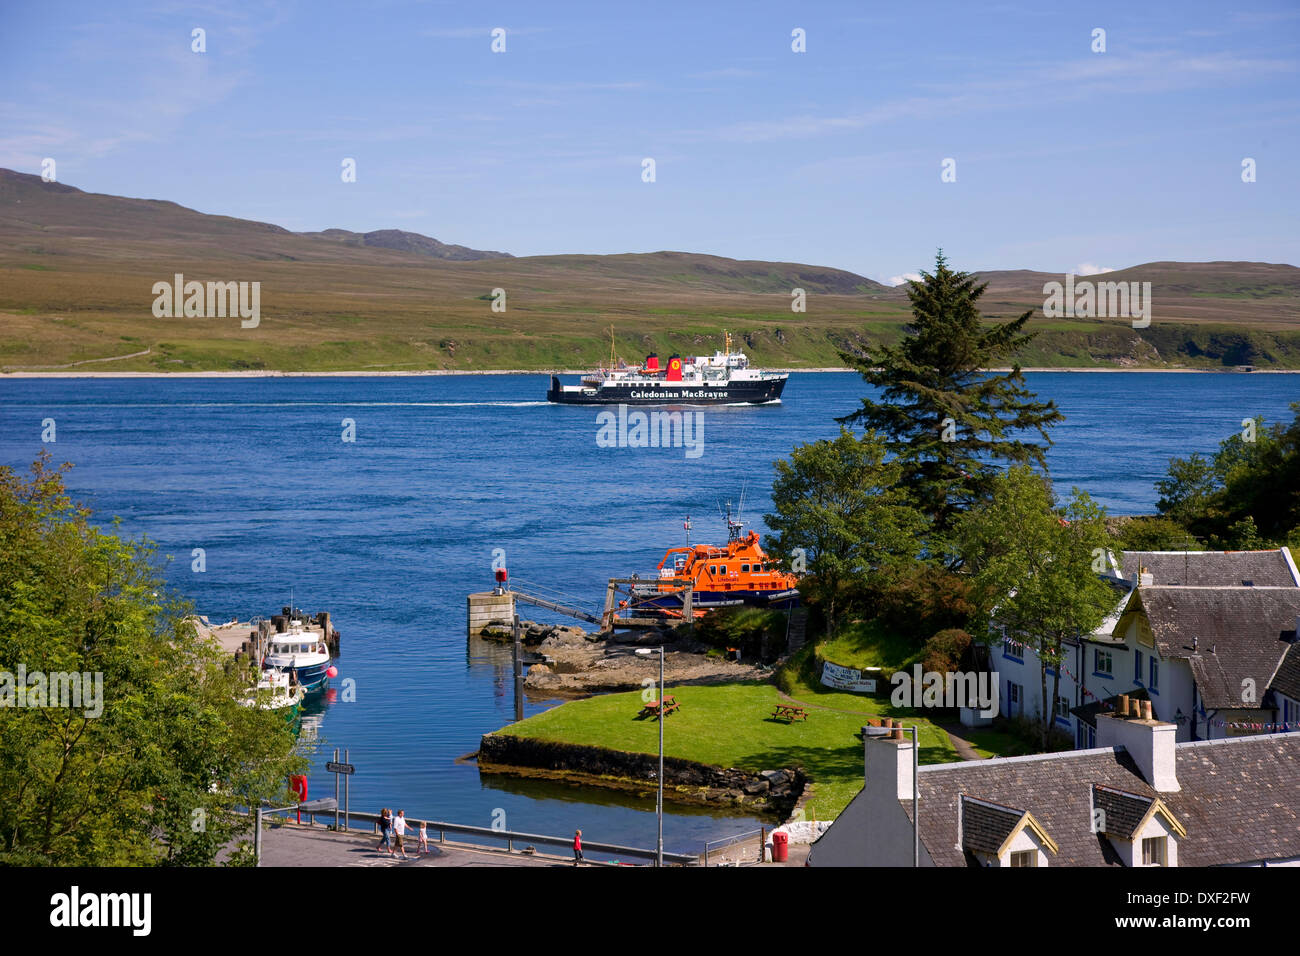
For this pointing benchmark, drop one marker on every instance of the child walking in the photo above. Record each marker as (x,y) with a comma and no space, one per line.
(424,836)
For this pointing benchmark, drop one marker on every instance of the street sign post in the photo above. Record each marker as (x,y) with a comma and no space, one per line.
(347,770)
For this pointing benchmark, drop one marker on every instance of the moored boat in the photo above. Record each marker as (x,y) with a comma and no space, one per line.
(303,652)
(740,573)
(277,690)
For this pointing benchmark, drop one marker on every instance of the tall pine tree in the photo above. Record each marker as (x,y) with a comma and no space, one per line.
(948,421)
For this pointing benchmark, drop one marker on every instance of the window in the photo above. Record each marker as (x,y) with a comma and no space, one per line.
(1153,851)
(1063,709)
(1013,698)
(713,569)
(1011,649)
(744,569)
(1102,663)
(1154,684)
(1137,666)
(1024,858)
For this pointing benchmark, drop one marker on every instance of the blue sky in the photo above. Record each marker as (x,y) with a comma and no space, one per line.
(1065,158)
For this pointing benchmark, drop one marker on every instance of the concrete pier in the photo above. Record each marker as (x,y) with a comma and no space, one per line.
(247,640)
(485,607)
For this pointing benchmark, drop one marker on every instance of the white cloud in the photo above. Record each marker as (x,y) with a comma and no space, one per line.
(1088,269)
(905,277)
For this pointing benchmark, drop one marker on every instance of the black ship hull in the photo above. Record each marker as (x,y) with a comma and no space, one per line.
(670,393)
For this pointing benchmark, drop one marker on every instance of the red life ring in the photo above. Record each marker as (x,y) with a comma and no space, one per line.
(298,784)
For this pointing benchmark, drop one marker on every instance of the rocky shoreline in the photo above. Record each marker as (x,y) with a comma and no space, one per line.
(566,661)
(774,793)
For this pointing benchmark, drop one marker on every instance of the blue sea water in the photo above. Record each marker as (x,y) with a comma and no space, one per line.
(390,532)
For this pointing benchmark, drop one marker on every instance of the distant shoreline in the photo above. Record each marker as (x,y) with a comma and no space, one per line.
(271,373)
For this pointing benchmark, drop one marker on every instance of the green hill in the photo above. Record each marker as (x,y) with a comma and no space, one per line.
(77,270)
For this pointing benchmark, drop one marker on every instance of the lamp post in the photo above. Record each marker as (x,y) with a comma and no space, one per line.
(659,803)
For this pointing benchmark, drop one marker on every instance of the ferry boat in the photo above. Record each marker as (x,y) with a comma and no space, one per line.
(303,652)
(277,690)
(740,573)
(726,378)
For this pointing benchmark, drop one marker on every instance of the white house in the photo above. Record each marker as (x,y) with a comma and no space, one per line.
(1207,636)
(1140,799)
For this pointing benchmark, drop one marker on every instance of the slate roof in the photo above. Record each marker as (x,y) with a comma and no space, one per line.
(1124,811)
(1240,800)
(1212,568)
(1239,633)
(985,827)
(1287,679)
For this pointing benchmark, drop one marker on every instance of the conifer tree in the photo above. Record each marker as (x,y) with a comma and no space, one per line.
(948,421)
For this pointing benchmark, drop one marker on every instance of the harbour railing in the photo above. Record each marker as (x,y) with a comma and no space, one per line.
(715,847)
(511,838)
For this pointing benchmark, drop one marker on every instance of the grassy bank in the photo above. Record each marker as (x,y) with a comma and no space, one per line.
(401,317)
(730,726)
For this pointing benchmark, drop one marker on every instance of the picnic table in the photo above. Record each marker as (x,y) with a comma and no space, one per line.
(789,713)
(652,708)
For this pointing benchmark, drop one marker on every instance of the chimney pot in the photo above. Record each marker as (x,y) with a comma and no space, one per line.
(1146,709)
(1121,710)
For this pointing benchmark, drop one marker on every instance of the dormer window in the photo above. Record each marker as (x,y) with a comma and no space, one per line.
(1155,851)
(1141,830)
(996,835)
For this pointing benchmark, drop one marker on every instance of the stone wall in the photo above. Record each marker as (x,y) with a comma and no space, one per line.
(766,792)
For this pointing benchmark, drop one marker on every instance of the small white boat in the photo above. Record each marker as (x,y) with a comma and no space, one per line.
(276,690)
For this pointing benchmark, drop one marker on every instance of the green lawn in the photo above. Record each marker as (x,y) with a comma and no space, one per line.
(866,644)
(727,726)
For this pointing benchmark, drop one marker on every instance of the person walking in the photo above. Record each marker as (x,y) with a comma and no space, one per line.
(385,825)
(577,847)
(399,831)
(424,836)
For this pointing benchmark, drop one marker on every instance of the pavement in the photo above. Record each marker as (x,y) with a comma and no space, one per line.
(293,845)
(289,844)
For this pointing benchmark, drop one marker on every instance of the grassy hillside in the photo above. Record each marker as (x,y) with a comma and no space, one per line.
(76,272)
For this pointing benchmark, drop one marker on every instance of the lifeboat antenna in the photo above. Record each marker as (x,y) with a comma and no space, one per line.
(687,525)
(733,524)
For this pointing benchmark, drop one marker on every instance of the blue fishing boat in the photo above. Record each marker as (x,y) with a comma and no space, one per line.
(303,652)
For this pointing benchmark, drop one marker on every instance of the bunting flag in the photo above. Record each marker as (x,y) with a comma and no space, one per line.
(1257,725)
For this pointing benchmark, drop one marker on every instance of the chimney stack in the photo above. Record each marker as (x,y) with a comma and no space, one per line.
(1151,744)
(1145,578)
(888,767)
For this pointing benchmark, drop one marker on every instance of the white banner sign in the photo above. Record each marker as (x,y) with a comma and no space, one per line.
(847,678)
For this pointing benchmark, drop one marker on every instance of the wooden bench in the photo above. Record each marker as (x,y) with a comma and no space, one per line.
(652,709)
(789,713)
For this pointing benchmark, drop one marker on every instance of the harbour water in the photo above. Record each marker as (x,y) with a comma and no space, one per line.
(390,532)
